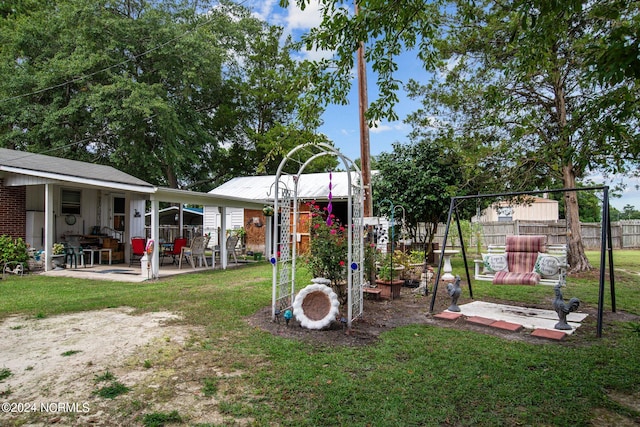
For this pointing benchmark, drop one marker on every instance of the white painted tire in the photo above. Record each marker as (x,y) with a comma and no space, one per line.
(316,306)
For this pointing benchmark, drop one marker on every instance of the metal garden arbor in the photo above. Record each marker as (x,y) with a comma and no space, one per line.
(285,228)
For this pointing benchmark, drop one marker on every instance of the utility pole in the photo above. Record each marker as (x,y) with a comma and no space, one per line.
(365,164)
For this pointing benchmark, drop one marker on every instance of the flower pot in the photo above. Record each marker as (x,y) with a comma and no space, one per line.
(390,289)
(57,262)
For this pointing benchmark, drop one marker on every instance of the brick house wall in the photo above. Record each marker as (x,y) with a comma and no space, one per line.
(13,213)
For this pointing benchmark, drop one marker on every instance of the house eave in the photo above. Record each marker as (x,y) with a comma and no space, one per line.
(16,176)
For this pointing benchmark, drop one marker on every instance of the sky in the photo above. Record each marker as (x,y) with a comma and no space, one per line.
(341,122)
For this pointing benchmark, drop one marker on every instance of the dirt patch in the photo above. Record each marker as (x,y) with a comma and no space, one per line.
(56,365)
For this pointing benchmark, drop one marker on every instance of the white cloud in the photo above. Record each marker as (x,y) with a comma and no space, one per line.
(298,19)
(262,9)
(630,195)
(390,127)
(380,128)
(316,55)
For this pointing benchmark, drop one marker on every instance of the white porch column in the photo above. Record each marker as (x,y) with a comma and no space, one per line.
(49,237)
(155,236)
(223,237)
(126,234)
(181,223)
(215,236)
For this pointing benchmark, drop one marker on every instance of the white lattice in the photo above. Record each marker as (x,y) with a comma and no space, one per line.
(357,245)
(284,251)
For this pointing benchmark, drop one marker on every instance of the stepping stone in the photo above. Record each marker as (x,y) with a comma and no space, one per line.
(507,326)
(479,320)
(448,315)
(549,334)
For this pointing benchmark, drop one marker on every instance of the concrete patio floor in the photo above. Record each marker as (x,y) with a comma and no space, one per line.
(124,273)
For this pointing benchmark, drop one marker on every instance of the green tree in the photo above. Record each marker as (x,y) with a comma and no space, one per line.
(421,177)
(160,90)
(614,55)
(522,93)
(629,212)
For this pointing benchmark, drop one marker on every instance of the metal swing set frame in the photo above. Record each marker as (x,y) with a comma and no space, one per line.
(606,243)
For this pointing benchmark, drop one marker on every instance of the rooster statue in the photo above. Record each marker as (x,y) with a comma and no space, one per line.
(454,292)
(563,309)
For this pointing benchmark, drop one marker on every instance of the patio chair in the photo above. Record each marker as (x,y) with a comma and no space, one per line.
(195,252)
(175,251)
(232,242)
(137,249)
(73,251)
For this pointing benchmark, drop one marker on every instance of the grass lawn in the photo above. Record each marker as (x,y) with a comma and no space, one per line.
(420,375)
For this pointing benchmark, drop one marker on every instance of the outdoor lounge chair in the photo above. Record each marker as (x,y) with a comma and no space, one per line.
(232,242)
(176,250)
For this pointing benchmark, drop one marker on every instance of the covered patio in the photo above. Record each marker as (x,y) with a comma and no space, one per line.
(133,274)
(53,200)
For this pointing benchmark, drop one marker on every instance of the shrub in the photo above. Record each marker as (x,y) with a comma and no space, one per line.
(13,249)
(328,249)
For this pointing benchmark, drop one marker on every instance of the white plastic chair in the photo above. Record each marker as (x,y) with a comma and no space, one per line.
(232,242)
(195,251)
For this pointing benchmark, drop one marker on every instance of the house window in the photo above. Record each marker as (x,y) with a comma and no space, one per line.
(70,202)
(505,214)
(118,213)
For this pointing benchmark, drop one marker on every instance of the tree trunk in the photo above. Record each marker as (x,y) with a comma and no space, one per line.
(577,260)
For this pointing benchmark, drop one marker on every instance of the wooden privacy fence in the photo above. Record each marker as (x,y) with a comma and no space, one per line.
(624,234)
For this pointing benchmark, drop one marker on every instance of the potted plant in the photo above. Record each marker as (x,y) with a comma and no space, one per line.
(389,270)
(13,252)
(58,249)
(57,257)
(413,264)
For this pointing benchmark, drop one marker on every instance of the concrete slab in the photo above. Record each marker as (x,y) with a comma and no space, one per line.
(123,273)
(529,318)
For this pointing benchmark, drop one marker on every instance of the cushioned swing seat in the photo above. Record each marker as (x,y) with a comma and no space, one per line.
(523,260)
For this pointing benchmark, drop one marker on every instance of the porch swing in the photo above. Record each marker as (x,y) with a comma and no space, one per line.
(523,260)
(558,251)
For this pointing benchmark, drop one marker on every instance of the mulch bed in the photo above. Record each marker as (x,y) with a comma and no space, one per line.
(412,308)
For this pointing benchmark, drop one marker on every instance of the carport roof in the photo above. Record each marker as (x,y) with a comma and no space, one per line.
(312,186)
